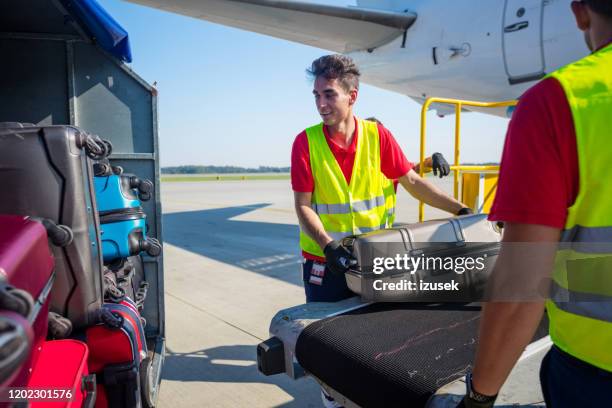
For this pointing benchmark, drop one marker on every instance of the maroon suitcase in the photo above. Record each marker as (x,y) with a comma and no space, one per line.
(26,267)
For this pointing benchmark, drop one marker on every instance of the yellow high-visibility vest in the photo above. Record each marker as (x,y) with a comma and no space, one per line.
(580,306)
(366,204)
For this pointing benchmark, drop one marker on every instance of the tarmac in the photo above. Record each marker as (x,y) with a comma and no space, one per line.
(232,260)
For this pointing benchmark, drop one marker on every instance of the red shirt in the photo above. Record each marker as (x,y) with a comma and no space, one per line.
(393,163)
(538,179)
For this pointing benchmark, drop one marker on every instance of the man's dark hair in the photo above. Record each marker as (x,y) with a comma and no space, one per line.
(603,7)
(338,67)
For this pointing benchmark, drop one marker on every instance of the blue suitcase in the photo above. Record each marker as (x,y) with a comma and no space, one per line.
(115,190)
(123,221)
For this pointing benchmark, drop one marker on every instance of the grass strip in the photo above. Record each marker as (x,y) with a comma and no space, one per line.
(228,177)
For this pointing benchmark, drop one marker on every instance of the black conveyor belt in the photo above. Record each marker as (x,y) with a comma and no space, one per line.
(392,354)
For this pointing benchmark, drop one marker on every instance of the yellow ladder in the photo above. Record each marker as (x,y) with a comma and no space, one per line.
(476,180)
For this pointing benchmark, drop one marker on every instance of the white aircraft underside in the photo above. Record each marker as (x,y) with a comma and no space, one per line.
(485,50)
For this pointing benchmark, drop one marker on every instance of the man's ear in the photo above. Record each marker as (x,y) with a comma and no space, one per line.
(353,96)
(581,14)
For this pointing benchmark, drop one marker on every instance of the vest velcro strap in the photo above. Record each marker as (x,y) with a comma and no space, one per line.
(590,305)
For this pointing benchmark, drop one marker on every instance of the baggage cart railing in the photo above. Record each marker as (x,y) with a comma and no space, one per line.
(456,167)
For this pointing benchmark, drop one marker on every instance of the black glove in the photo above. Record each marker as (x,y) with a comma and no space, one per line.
(468,402)
(474,399)
(465,211)
(338,258)
(439,165)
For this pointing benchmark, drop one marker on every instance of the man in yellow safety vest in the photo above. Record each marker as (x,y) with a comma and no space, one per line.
(341,172)
(555,198)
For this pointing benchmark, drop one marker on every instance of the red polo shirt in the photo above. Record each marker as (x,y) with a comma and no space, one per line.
(538,178)
(539,175)
(393,162)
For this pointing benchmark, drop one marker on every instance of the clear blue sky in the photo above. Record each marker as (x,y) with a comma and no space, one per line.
(230,97)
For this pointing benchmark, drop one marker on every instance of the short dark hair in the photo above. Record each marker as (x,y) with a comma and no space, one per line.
(336,66)
(603,7)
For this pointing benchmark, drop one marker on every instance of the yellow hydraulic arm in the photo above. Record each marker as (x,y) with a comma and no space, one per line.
(456,168)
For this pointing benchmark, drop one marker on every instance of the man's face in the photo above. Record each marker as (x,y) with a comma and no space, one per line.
(333,102)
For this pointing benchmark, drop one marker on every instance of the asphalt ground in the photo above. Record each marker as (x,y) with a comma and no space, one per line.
(232,260)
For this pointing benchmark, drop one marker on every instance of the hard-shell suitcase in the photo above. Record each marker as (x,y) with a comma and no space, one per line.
(46,171)
(26,279)
(434,261)
(123,221)
(118,356)
(116,190)
(61,373)
(124,233)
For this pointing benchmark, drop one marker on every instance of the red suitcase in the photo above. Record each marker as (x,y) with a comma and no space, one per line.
(118,355)
(62,367)
(26,270)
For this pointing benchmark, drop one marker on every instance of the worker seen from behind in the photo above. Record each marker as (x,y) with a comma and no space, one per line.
(558,147)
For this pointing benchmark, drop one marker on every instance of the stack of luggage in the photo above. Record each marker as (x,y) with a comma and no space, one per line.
(72,231)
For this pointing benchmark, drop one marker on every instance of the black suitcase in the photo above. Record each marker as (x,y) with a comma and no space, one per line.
(126,279)
(46,171)
(453,259)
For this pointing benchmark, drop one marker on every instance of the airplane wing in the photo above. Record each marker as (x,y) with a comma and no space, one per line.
(335,28)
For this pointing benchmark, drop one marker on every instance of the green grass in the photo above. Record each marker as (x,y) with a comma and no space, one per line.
(224,177)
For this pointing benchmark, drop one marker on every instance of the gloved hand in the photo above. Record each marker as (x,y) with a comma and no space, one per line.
(468,402)
(338,258)
(465,211)
(439,165)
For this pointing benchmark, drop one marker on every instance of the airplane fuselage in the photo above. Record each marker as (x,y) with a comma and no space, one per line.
(480,50)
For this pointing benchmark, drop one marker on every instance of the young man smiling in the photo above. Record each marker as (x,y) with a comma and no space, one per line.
(341,172)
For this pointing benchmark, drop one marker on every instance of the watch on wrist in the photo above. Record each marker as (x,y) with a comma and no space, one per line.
(475,395)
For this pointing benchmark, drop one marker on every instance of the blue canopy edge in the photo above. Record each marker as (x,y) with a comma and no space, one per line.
(101,26)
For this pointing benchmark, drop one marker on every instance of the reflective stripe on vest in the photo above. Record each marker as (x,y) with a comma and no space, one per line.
(580,307)
(364,205)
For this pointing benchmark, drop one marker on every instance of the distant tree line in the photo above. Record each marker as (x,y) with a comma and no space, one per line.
(192,169)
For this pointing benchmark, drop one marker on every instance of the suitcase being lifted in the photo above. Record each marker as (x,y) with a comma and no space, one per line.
(434,261)
(53,164)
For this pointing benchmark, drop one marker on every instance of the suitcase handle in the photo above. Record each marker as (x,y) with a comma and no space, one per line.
(89,385)
(15,340)
(16,300)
